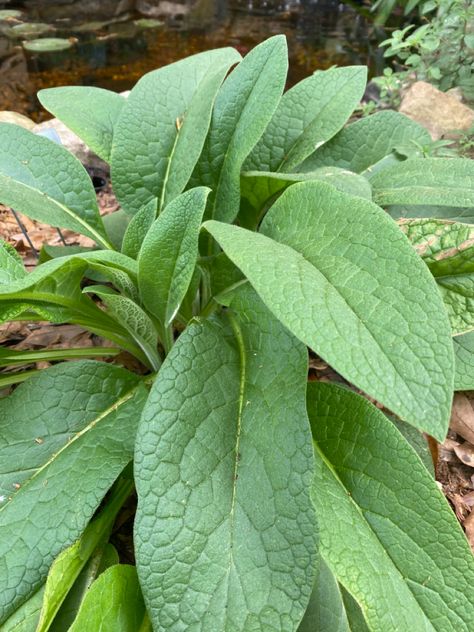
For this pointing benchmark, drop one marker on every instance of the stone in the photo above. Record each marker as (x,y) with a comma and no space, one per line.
(72,143)
(162,8)
(441,113)
(17,119)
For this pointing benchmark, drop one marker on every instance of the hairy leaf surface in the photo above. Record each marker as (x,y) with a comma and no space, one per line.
(464,362)
(44,181)
(436,181)
(66,434)
(163,126)
(89,112)
(243,108)
(138,228)
(365,145)
(223,462)
(343,278)
(168,255)
(447,248)
(11,264)
(307,116)
(387,532)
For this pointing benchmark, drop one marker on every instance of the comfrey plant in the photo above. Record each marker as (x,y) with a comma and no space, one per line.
(254,226)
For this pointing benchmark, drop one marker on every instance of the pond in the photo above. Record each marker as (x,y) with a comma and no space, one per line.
(112,43)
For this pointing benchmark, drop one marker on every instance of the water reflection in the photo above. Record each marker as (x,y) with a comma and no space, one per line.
(114,43)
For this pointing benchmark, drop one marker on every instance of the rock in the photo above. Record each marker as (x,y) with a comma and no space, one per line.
(89,9)
(162,8)
(456,93)
(73,144)
(441,113)
(17,119)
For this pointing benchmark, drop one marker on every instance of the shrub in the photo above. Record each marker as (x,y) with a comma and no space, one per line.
(256,224)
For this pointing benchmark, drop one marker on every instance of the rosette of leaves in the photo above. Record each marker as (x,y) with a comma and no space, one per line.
(254,229)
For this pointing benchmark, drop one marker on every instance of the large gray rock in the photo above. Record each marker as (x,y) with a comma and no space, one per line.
(162,8)
(441,113)
(71,142)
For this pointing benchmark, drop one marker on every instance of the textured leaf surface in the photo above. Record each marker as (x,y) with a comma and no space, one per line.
(44,181)
(89,112)
(162,128)
(168,255)
(138,228)
(11,264)
(225,530)
(114,603)
(447,248)
(307,116)
(368,141)
(464,362)
(438,212)
(57,464)
(25,619)
(133,318)
(243,108)
(259,187)
(437,181)
(386,530)
(356,293)
(326,611)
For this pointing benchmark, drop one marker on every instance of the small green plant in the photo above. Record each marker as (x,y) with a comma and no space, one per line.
(440,51)
(253,225)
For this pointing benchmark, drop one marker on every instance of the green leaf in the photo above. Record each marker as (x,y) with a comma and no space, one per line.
(326,611)
(223,468)
(307,116)
(132,317)
(351,291)
(11,264)
(67,567)
(464,362)
(447,248)
(437,181)
(66,434)
(115,226)
(102,558)
(44,181)
(243,108)
(163,126)
(260,187)
(168,255)
(363,144)
(387,532)
(113,603)
(137,229)
(89,112)
(25,619)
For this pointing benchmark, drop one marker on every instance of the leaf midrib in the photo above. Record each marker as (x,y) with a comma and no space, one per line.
(78,435)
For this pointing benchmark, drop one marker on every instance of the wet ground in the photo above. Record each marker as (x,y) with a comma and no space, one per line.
(112,44)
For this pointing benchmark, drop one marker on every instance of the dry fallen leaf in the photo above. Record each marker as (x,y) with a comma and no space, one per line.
(462,417)
(465,453)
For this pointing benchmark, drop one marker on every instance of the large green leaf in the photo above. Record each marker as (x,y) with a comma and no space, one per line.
(437,181)
(25,619)
(65,436)
(259,188)
(225,531)
(89,112)
(447,248)
(362,145)
(342,277)
(161,130)
(454,213)
(44,181)
(114,603)
(168,254)
(307,116)
(243,108)
(387,532)
(464,362)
